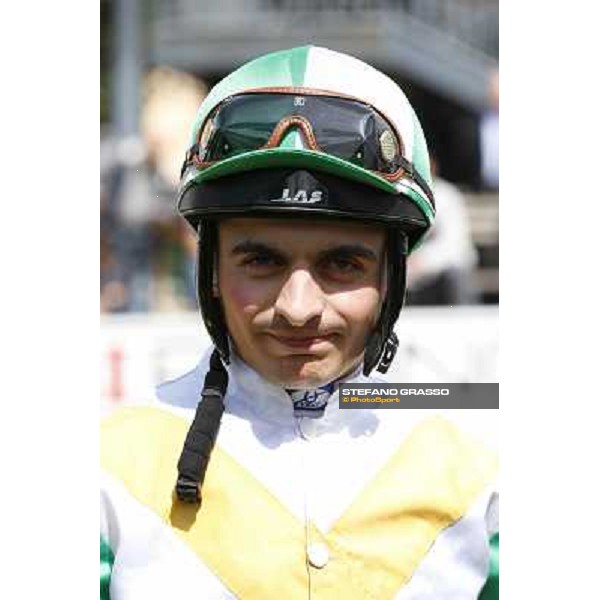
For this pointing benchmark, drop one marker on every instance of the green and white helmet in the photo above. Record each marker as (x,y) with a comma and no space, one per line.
(333,138)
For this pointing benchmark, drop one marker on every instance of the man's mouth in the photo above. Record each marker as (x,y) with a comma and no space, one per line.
(302,341)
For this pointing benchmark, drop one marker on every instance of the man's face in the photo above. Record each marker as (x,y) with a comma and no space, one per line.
(300,297)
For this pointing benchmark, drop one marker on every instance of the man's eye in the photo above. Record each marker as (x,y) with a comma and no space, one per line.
(343,265)
(260,260)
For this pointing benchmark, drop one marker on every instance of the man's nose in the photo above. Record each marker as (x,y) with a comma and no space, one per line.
(300,299)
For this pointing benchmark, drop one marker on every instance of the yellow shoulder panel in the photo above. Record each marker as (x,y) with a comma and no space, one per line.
(258,548)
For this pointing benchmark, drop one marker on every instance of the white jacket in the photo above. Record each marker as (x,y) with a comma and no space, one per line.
(357,503)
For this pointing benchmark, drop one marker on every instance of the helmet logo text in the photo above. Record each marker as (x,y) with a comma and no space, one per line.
(300,197)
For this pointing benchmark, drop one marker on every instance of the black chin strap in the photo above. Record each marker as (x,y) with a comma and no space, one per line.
(383,343)
(201,436)
(210,305)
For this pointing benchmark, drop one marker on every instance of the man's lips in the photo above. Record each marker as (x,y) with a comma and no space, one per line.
(296,341)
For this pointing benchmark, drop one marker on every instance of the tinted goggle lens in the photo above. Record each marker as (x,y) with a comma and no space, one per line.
(342,127)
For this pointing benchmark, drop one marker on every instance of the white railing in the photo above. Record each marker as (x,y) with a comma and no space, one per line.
(437,345)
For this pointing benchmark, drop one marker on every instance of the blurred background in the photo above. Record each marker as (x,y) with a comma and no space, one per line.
(159,58)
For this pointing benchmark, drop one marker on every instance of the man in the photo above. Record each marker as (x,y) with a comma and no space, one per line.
(307,180)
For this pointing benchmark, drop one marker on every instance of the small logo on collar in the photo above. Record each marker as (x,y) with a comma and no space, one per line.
(311,402)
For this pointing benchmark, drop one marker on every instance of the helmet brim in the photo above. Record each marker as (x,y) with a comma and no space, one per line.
(284,191)
(271,158)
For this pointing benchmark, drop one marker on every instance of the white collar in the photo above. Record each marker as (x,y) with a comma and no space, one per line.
(251,397)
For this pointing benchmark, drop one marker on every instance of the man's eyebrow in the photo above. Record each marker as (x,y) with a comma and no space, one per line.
(354,250)
(349,250)
(248,246)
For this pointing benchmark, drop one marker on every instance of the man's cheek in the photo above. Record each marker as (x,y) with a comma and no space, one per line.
(362,307)
(243,299)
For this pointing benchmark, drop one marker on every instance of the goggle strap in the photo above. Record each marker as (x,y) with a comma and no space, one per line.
(410,170)
(189,155)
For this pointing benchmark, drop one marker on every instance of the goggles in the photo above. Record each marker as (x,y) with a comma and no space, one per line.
(335,125)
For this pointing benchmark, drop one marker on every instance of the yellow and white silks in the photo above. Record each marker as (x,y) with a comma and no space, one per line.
(356,504)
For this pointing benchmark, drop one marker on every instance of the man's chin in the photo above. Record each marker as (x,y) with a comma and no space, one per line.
(303,371)
(306,372)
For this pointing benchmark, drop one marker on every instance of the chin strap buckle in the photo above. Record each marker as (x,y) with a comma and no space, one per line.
(389,351)
(187,490)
